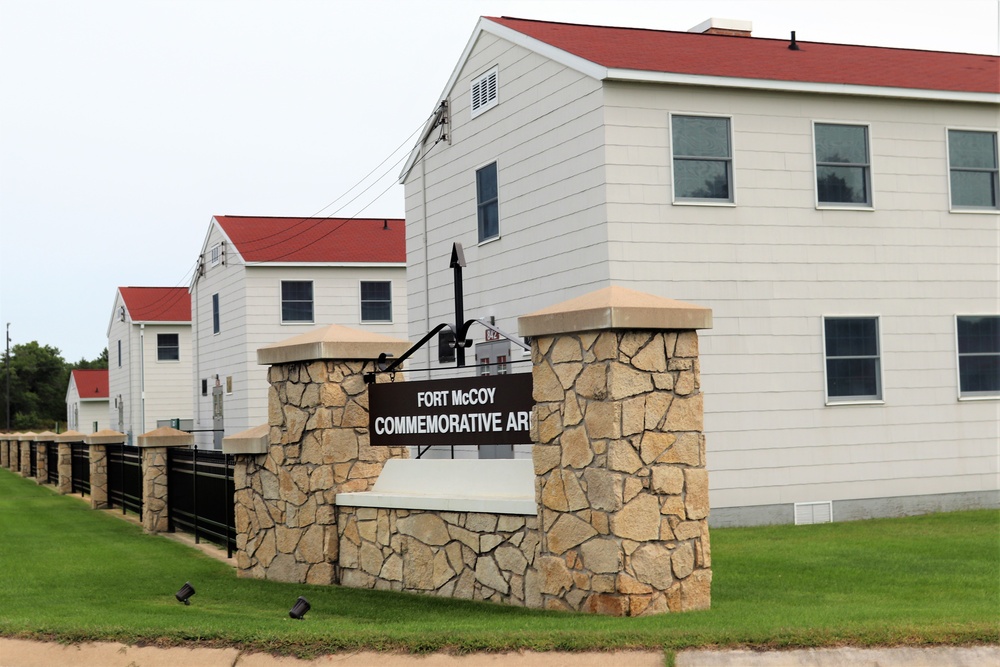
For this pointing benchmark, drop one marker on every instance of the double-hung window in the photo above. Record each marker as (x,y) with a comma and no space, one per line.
(376,301)
(843,166)
(488,202)
(296,301)
(972,161)
(853,366)
(702,159)
(978,355)
(168,347)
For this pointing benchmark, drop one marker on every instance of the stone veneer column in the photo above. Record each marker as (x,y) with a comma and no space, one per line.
(5,450)
(286,519)
(64,463)
(98,443)
(24,452)
(620,456)
(155,489)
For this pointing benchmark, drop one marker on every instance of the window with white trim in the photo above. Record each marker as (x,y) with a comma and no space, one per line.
(702,158)
(216,320)
(974,175)
(843,165)
(488,202)
(376,301)
(296,301)
(168,347)
(853,363)
(484,92)
(215,254)
(978,355)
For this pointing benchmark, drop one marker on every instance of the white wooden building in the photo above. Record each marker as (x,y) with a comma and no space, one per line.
(264,279)
(87,400)
(836,206)
(149,359)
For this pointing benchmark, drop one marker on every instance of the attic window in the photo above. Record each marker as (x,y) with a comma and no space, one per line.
(215,254)
(484,92)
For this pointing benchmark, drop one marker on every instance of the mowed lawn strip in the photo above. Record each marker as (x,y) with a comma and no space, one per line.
(70,573)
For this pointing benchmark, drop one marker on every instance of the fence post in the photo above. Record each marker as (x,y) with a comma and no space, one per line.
(98,444)
(317,446)
(64,464)
(5,450)
(24,451)
(155,491)
(619,455)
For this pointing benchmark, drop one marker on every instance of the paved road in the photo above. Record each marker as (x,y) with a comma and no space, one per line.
(20,653)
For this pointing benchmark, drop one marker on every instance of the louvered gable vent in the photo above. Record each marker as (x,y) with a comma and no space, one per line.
(484,92)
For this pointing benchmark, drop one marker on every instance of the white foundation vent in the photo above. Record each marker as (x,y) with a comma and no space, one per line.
(818,512)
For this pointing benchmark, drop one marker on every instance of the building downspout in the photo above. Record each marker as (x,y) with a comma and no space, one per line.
(142,377)
(427,266)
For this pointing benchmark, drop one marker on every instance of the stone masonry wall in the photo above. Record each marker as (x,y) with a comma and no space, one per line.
(469,555)
(64,463)
(621,480)
(285,516)
(99,477)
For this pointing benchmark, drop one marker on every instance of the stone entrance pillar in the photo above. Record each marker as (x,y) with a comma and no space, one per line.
(155,489)
(98,443)
(619,455)
(64,459)
(318,446)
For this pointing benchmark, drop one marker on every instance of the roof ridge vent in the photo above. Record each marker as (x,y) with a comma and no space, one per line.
(730,27)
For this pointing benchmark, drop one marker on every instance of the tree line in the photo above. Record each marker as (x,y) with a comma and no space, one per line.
(38,377)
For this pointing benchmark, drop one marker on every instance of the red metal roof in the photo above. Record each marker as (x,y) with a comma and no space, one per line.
(157,304)
(768,59)
(91,383)
(369,240)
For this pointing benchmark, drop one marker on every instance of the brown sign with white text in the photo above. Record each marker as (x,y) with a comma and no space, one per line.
(488,410)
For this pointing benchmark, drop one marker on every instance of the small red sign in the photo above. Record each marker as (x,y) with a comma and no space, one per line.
(492,335)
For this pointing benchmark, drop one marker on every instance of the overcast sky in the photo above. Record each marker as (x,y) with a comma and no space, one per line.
(126,124)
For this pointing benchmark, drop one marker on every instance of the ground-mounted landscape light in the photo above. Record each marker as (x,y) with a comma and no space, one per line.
(299,610)
(184,594)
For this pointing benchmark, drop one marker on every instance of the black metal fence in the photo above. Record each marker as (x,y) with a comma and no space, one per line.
(33,458)
(125,478)
(201,495)
(81,468)
(52,461)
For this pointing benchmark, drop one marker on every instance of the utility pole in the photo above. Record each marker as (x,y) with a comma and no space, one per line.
(7,360)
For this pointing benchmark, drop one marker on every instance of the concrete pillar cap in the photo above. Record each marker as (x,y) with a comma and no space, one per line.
(166,437)
(27,436)
(70,436)
(45,436)
(251,441)
(105,436)
(615,307)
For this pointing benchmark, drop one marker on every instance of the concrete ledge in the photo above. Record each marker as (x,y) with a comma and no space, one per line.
(505,486)
(25,437)
(251,441)
(331,342)
(615,308)
(45,436)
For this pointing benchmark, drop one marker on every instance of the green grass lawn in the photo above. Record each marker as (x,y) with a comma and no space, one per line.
(70,573)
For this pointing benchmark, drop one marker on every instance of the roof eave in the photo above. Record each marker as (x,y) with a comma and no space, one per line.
(645,76)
